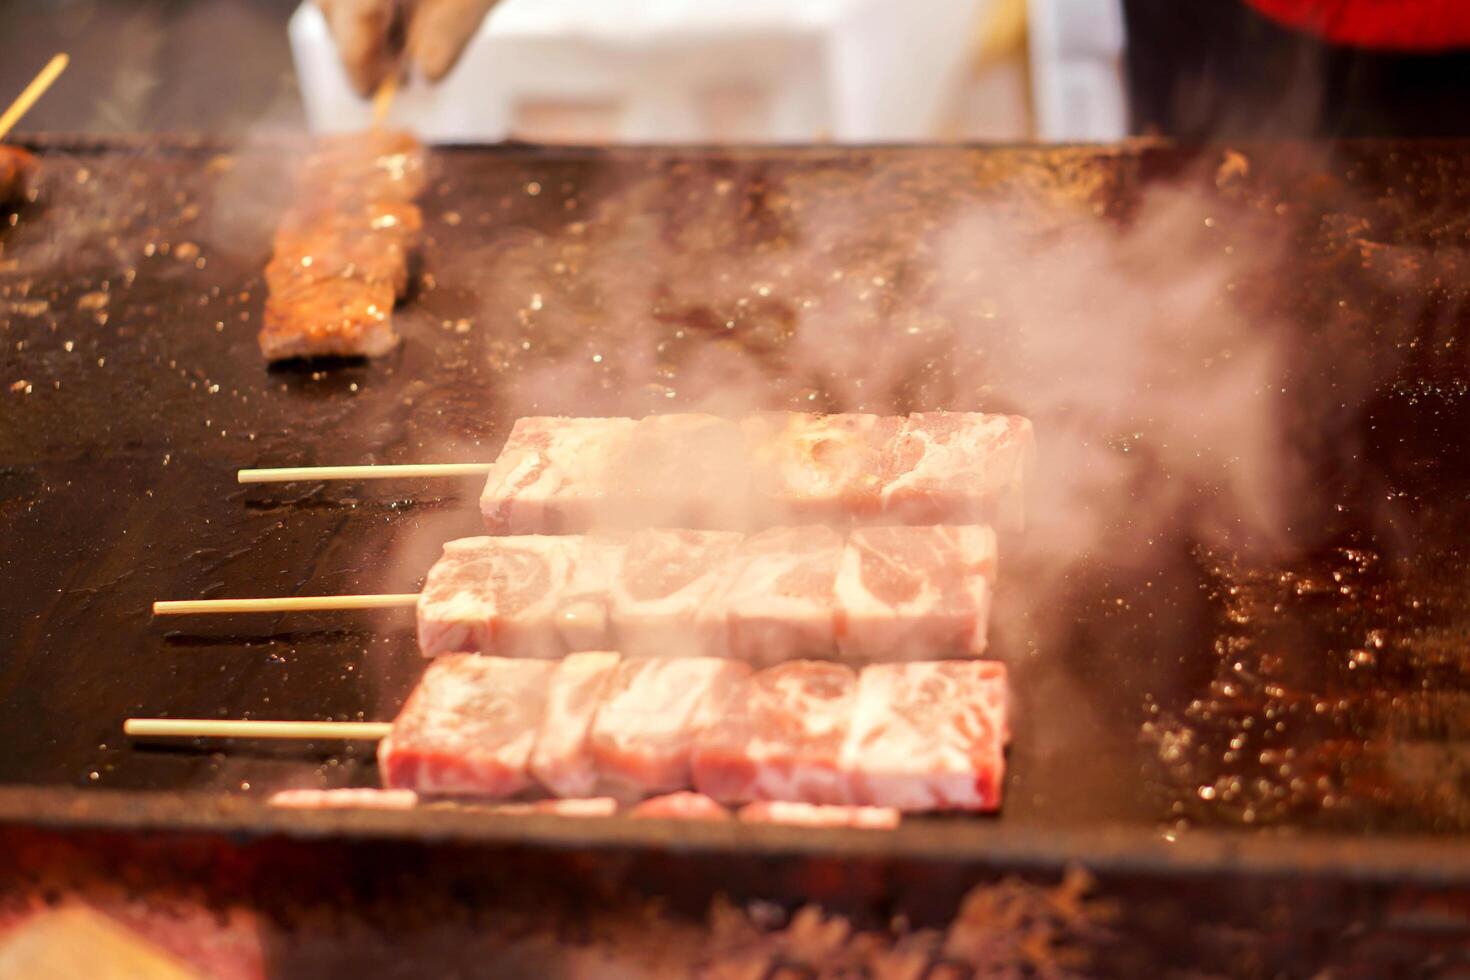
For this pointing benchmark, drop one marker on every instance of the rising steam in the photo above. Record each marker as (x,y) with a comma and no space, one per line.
(1124,340)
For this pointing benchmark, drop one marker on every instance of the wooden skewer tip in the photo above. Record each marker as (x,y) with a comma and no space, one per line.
(305,603)
(383,98)
(288,474)
(32,92)
(235,728)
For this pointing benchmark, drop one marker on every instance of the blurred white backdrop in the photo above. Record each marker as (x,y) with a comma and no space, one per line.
(754,71)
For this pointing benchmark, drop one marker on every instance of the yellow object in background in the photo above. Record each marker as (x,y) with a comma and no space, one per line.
(991,101)
(1001,33)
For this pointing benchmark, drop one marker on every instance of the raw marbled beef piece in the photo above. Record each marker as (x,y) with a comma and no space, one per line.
(818,815)
(682,470)
(958,468)
(582,613)
(651,713)
(782,594)
(468,728)
(523,596)
(562,760)
(552,476)
(597,806)
(818,469)
(780,600)
(780,737)
(342,799)
(916,593)
(661,591)
(681,806)
(928,736)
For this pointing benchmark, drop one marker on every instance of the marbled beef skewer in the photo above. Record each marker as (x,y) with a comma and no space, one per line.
(814,737)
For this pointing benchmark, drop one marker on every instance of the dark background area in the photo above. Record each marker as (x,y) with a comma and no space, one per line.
(206,66)
(1208,69)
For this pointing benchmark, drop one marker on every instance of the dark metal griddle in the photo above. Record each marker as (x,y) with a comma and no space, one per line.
(581,282)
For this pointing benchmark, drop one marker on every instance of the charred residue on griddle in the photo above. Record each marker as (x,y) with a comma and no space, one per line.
(1339,693)
(19,487)
(1009,927)
(1334,688)
(643,287)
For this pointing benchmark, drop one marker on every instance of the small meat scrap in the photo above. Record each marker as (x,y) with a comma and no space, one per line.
(597,806)
(525,596)
(818,469)
(662,590)
(681,470)
(550,477)
(17,171)
(817,815)
(345,799)
(928,736)
(680,806)
(780,601)
(912,593)
(562,759)
(468,728)
(780,737)
(341,257)
(958,468)
(652,712)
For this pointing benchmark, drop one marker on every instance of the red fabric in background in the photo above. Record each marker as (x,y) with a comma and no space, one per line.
(1400,25)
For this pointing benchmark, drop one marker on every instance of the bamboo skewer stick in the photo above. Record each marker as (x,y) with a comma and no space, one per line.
(222,728)
(302,603)
(288,474)
(32,92)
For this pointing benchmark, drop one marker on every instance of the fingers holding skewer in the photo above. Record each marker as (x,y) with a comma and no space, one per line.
(378,37)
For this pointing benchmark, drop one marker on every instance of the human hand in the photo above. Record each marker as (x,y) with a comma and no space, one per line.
(375,37)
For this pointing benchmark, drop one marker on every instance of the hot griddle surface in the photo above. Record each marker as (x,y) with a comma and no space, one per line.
(1172,685)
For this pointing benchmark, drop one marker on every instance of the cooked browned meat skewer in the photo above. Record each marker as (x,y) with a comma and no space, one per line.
(17,169)
(378,165)
(332,317)
(342,253)
(369,242)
